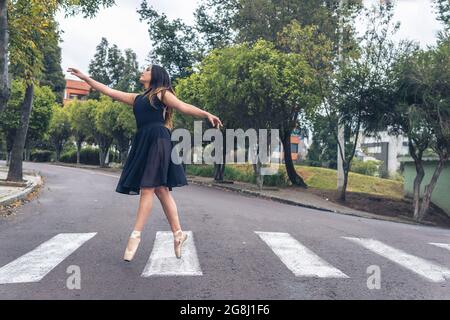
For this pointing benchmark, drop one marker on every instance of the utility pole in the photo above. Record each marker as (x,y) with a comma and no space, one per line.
(341,139)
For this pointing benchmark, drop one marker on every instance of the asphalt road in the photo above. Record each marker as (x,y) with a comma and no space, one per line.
(68,243)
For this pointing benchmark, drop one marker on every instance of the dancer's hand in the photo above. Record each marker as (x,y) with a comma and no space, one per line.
(77,73)
(215,121)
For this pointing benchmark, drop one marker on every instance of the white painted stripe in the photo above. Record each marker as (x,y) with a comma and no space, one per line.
(441,245)
(422,267)
(163,262)
(299,259)
(34,265)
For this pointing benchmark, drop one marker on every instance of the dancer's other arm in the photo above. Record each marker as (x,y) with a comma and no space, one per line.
(171,100)
(125,97)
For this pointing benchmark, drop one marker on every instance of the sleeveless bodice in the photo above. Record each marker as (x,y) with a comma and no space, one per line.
(145,113)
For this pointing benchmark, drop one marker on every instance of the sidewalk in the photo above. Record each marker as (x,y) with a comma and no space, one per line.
(289,195)
(295,196)
(11,192)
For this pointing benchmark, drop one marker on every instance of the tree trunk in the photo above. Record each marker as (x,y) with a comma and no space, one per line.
(107,157)
(259,176)
(219,168)
(15,169)
(343,191)
(430,187)
(420,173)
(79,142)
(27,154)
(5,90)
(290,168)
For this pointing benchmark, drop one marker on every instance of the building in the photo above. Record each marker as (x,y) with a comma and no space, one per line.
(440,193)
(299,148)
(76,89)
(386,148)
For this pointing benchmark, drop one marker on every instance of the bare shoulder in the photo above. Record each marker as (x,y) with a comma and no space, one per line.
(168,98)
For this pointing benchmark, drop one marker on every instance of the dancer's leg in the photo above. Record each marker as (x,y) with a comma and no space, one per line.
(145,207)
(169,206)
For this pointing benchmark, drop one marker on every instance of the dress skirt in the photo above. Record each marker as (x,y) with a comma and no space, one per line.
(149,163)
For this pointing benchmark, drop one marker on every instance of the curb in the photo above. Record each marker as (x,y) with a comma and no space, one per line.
(31,186)
(300,204)
(278,199)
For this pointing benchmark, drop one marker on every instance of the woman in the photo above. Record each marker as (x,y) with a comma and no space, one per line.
(149,168)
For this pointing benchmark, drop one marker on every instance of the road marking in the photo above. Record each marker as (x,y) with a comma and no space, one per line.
(441,245)
(163,262)
(422,267)
(298,258)
(34,265)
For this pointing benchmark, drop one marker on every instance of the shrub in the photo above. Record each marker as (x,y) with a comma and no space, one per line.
(369,168)
(242,173)
(88,155)
(279,179)
(41,155)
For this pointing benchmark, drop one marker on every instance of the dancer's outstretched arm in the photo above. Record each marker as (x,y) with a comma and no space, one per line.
(171,100)
(125,97)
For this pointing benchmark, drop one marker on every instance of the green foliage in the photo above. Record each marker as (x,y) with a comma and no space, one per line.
(88,8)
(368,168)
(279,179)
(27,39)
(174,43)
(10,117)
(443,12)
(111,68)
(41,155)
(88,155)
(43,101)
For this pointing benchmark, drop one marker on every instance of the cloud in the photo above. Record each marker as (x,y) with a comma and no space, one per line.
(120,25)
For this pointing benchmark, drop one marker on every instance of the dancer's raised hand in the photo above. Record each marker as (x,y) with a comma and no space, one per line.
(77,73)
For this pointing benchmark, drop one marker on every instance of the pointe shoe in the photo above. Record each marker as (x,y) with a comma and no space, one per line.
(133,244)
(180,238)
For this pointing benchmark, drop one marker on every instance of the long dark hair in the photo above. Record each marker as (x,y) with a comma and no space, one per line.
(160,82)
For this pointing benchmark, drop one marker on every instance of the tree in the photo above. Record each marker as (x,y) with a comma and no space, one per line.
(129,79)
(174,43)
(436,80)
(26,50)
(40,117)
(100,122)
(117,120)
(10,117)
(59,129)
(52,74)
(443,11)
(5,90)
(78,114)
(88,8)
(111,68)
(364,84)
(214,22)
(99,68)
(253,86)
(423,112)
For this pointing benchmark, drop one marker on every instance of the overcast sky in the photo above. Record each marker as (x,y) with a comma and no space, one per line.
(120,25)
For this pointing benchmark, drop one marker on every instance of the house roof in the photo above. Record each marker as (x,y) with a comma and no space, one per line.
(77,84)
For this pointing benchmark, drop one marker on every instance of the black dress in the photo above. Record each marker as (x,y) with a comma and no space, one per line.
(149,162)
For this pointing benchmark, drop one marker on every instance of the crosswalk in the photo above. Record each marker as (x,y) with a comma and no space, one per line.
(300,260)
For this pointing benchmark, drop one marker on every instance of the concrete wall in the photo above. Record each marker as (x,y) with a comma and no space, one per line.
(441,192)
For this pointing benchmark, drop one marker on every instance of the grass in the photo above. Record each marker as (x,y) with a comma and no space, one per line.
(326,179)
(319,178)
